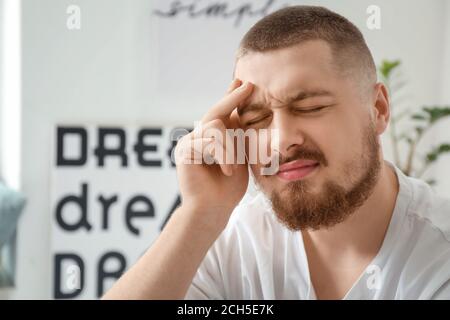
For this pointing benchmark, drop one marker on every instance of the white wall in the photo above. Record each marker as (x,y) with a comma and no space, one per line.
(443,133)
(124,65)
(1,80)
(10,96)
(445,80)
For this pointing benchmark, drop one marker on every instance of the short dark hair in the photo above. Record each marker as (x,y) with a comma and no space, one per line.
(296,24)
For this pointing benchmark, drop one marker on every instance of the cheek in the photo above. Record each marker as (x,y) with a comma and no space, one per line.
(339,139)
(344,142)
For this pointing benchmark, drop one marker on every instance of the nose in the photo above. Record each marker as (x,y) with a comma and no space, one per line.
(287,133)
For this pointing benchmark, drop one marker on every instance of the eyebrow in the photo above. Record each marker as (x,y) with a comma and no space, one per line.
(302,95)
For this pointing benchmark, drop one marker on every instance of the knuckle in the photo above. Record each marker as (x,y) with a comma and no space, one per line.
(217,123)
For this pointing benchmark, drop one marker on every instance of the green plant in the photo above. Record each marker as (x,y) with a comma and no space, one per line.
(422,122)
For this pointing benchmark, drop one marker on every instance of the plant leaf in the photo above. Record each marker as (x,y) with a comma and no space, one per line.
(418,116)
(419,130)
(433,155)
(387,67)
(436,113)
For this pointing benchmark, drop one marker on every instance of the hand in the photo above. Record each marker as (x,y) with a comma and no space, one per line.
(208,182)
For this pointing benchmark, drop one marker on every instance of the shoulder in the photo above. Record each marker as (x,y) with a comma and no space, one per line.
(427,228)
(429,211)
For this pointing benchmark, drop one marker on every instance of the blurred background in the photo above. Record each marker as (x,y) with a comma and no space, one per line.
(93,94)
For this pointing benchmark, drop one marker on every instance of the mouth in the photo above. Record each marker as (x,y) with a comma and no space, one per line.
(296,170)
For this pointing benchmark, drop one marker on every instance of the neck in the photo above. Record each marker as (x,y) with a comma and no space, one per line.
(361,234)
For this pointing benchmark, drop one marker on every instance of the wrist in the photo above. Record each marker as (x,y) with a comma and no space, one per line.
(212,217)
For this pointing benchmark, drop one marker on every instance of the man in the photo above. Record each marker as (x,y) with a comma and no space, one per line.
(335,221)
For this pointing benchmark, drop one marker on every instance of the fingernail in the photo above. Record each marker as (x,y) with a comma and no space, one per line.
(243,85)
(232,85)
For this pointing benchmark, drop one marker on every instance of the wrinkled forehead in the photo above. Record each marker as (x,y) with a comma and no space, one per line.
(280,73)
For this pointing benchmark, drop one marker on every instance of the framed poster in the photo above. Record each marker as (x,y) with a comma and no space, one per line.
(113,188)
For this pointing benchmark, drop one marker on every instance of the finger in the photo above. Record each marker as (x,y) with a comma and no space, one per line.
(214,128)
(202,144)
(221,150)
(187,148)
(204,151)
(234,120)
(227,104)
(189,156)
(239,139)
(234,138)
(234,84)
(217,151)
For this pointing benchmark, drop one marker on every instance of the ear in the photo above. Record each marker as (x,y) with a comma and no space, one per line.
(381,109)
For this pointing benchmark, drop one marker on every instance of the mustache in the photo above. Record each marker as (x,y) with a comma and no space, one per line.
(300,154)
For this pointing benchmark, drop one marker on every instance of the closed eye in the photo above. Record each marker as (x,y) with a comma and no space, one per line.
(255,121)
(295,110)
(310,110)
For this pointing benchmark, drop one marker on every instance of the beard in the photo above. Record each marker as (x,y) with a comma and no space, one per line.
(298,208)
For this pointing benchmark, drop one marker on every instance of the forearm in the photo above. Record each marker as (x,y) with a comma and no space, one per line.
(166,270)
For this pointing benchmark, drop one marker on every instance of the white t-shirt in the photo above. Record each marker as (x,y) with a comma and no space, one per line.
(256,257)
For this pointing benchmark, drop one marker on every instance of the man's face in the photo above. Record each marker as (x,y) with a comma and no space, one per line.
(320,117)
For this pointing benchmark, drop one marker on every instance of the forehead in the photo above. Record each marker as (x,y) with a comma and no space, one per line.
(279,74)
